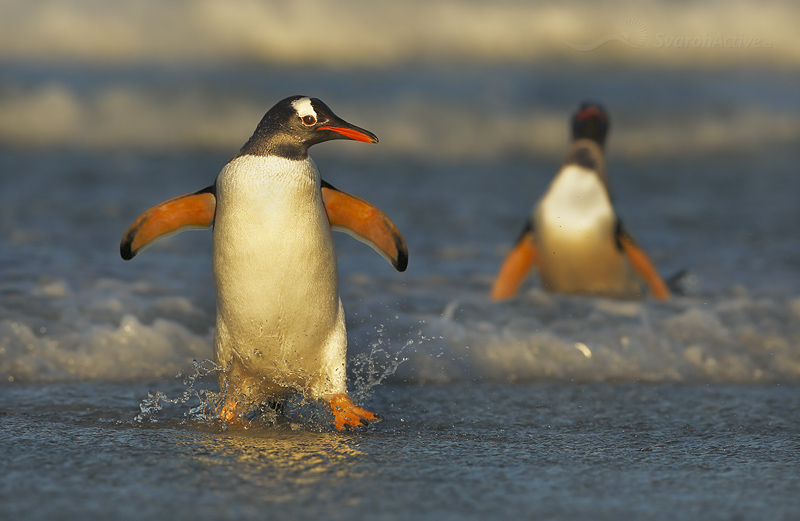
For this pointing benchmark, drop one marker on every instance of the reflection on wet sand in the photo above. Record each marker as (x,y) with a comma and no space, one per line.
(281,459)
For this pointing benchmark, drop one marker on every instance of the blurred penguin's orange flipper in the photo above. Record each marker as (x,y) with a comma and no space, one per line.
(520,260)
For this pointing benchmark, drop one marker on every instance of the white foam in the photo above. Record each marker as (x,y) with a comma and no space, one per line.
(131,350)
(543,337)
(428,127)
(107,334)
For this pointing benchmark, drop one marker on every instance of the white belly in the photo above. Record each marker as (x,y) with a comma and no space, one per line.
(280,324)
(576,203)
(575,228)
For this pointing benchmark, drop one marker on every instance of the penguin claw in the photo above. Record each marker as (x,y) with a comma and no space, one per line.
(347,415)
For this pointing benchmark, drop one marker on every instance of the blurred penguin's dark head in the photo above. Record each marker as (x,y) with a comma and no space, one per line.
(590,121)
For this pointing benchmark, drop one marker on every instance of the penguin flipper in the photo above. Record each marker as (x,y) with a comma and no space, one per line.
(642,264)
(520,260)
(188,211)
(347,213)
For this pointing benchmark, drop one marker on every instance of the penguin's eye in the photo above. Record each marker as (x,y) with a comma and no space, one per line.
(309,120)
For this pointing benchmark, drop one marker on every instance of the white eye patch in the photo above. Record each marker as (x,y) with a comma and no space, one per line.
(304,108)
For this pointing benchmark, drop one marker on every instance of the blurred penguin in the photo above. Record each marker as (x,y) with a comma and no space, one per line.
(574,236)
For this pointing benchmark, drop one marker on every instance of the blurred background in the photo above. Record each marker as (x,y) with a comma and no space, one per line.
(108,108)
(435,78)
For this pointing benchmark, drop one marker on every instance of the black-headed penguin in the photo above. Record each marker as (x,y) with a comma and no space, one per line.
(280,323)
(573,235)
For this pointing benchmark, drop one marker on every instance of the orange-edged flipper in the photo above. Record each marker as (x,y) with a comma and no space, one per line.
(347,213)
(347,415)
(181,213)
(642,264)
(520,260)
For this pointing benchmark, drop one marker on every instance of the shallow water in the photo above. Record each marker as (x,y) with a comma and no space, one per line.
(72,309)
(542,407)
(460,451)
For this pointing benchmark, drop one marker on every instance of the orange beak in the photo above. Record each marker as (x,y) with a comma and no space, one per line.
(353,133)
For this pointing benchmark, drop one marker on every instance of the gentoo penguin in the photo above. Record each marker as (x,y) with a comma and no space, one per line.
(573,235)
(280,323)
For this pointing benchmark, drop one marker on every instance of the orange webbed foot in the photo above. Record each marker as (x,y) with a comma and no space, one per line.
(347,415)
(230,415)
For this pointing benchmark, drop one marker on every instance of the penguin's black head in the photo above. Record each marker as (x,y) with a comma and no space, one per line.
(590,121)
(294,124)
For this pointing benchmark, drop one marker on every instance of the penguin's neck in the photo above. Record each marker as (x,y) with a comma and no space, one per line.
(256,177)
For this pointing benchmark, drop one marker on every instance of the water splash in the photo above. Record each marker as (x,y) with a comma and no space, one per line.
(198,405)
(204,411)
(370,369)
